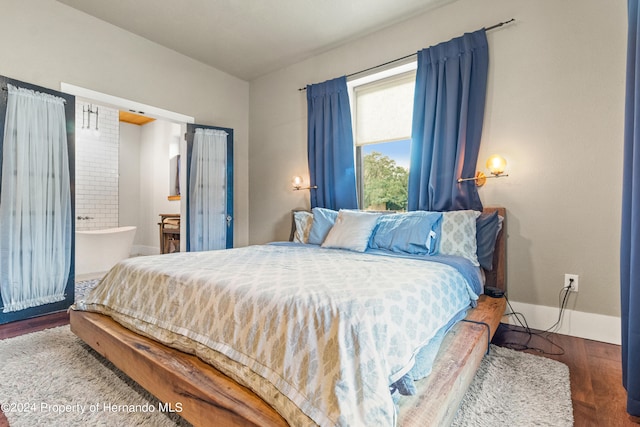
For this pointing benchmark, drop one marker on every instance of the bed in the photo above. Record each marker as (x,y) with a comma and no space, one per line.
(206,395)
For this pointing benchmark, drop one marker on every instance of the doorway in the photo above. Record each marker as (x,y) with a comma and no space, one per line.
(154,181)
(140,165)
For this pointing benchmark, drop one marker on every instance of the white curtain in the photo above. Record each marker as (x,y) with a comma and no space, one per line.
(35,201)
(208,190)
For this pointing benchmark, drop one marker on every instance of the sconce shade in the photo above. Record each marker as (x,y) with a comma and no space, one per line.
(496,164)
(296,181)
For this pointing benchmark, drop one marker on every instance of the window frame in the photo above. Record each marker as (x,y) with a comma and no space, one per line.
(380,78)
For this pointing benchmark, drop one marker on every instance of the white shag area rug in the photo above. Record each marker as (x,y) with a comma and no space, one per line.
(513,388)
(51,378)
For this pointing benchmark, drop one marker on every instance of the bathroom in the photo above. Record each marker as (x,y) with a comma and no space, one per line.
(124,179)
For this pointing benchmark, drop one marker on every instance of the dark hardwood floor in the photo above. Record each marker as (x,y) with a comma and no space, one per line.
(23,327)
(595,368)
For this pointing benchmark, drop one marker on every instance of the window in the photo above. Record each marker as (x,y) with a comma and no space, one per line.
(382,113)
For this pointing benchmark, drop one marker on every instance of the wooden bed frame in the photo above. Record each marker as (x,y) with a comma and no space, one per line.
(208,397)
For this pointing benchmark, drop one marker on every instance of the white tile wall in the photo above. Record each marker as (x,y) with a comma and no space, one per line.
(97,169)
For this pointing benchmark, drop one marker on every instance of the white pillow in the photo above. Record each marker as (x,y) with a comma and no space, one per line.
(351,231)
(303,221)
(458,234)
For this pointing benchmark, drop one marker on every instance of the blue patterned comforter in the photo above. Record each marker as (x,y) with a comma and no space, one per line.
(329,329)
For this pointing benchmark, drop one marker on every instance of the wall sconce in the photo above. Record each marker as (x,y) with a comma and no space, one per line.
(86,125)
(496,165)
(297,184)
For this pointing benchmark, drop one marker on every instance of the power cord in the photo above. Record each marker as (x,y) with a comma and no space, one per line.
(554,328)
(562,302)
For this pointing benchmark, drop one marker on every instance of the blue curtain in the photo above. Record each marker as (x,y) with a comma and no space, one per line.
(630,236)
(330,146)
(448,111)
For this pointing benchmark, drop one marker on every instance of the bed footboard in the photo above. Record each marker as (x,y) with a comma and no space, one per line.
(206,396)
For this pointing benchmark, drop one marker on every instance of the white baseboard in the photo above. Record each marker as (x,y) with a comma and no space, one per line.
(137,250)
(597,327)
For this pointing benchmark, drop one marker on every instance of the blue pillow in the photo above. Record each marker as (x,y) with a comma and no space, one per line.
(414,232)
(323,220)
(486,233)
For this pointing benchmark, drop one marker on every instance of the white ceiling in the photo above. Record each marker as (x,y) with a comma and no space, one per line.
(249,38)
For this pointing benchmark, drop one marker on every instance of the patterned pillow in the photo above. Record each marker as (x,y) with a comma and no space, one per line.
(458,235)
(303,221)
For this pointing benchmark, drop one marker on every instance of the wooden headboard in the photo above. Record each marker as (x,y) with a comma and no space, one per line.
(496,277)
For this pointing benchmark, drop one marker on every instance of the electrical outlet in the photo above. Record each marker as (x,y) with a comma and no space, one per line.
(571,282)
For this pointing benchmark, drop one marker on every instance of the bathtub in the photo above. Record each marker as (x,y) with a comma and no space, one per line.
(99,250)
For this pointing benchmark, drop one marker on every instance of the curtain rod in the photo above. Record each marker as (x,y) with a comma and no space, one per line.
(493,27)
(6,89)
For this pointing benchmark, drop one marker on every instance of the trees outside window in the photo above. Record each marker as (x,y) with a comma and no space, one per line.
(385,183)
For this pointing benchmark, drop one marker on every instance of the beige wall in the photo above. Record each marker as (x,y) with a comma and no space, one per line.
(129,177)
(554,109)
(155,139)
(45,43)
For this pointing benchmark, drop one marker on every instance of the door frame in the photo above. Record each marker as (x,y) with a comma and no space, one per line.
(139,108)
(189,138)
(125,104)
